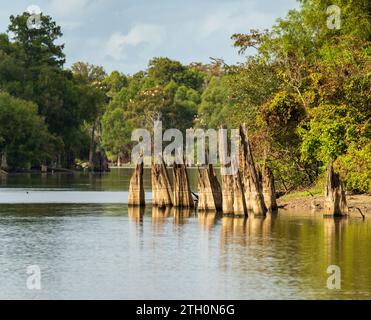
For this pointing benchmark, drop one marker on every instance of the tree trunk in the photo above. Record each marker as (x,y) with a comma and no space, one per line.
(227,193)
(162,191)
(209,192)
(98,160)
(250,177)
(335,199)
(233,199)
(92,147)
(119,160)
(59,161)
(136,188)
(103,161)
(70,159)
(182,192)
(269,191)
(4,162)
(239,203)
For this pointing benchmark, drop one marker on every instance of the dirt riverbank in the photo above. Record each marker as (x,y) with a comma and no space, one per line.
(314,204)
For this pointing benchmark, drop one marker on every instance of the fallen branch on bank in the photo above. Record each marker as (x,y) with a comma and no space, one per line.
(360,211)
(282,206)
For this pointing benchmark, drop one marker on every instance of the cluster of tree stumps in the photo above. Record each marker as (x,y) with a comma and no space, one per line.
(245,188)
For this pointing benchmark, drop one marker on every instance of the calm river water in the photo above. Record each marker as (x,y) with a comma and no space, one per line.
(89,245)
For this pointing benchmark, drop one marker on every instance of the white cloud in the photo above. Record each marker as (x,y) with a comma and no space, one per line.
(213,23)
(68,7)
(70,25)
(226,21)
(144,33)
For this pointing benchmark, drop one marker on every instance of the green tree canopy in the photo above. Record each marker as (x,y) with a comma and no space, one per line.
(24,137)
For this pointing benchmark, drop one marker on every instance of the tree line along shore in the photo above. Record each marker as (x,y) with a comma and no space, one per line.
(303,91)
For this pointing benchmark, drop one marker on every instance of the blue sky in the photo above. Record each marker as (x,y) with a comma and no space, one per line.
(124,35)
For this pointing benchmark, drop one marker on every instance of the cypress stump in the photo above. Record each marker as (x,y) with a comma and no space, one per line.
(250,177)
(136,188)
(182,196)
(162,191)
(269,191)
(209,191)
(335,199)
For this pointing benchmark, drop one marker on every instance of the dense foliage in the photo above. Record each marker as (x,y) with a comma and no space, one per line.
(319,108)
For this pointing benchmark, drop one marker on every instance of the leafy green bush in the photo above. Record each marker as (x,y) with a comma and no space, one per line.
(329,133)
(355,168)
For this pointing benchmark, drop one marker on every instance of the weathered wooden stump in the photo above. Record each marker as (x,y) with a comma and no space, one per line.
(250,178)
(233,199)
(246,181)
(136,189)
(268,189)
(182,192)
(335,199)
(227,193)
(209,191)
(239,203)
(162,191)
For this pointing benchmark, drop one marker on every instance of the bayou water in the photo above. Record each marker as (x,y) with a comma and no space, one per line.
(88,244)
